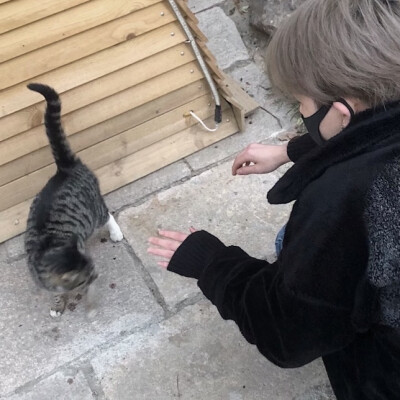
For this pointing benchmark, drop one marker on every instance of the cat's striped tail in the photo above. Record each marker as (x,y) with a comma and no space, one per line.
(62,152)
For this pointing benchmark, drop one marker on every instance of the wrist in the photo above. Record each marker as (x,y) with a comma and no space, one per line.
(283,156)
(194,254)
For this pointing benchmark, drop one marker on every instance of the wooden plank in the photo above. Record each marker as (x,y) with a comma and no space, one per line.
(99,89)
(105,62)
(210,59)
(65,24)
(109,128)
(84,44)
(197,33)
(133,167)
(24,143)
(163,153)
(242,103)
(14,219)
(21,193)
(151,132)
(185,10)
(22,12)
(112,149)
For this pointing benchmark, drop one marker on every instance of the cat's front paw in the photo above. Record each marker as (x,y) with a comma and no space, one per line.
(55,313)
(116,235)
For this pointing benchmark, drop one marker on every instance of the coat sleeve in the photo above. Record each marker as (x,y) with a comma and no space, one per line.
(299,146)
(288,328)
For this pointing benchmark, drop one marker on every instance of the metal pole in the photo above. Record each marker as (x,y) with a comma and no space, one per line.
(192,41)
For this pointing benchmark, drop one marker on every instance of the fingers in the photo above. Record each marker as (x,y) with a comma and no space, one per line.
(161,252)
(166,247)
(249,169)
(167,244)
(178,236)
(250,155)
(163,264)
(240,160)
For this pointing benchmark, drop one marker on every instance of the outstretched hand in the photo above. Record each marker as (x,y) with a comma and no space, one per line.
(260,159)
(167,243)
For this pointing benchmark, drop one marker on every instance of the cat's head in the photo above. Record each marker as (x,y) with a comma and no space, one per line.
(66,268)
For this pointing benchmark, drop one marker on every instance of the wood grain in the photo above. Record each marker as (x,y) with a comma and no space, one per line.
(98,89)
(65,24)
(102,131)
(22,12)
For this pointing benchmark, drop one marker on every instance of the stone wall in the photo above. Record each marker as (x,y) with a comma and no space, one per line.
(266,15)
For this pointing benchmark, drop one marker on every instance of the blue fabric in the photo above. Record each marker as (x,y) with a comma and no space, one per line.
(279,240)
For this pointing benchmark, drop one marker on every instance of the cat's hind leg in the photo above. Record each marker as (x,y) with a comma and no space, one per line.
(114,229)
(59,301)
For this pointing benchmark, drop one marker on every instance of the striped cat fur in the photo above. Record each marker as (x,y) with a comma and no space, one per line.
(63,216)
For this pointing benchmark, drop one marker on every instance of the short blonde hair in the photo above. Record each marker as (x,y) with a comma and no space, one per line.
(329,49)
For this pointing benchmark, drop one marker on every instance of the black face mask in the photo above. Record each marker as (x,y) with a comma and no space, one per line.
(313,122)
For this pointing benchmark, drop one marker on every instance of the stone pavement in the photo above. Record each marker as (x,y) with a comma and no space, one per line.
(154,335)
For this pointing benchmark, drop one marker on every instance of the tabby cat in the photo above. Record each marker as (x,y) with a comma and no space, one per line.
(63,215)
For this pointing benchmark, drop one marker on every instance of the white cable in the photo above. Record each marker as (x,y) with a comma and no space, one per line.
(203,124)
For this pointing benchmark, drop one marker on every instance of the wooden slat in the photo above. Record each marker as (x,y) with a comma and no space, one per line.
(31,140)
(242,103)
(201,39)
(90,68)
(15,220)
(101,88)
(84,44)
(163,153)
(210,59)
(65,24)
(113,126)
(197,33)
(22,12)
(5,1)
(144,135)
(133,167)
(248,103)
(185,10)
(112,149)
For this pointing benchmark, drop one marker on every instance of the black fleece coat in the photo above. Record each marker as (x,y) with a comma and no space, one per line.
(334,291)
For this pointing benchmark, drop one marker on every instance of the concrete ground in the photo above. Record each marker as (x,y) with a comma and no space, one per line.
(154,335)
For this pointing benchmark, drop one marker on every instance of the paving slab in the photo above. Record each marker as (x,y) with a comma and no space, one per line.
(224,40)
(61,386)
(14,247)
(233,208)
(201,5)
(197,355)
(141,188)
(318,392)
(33,344)
(260,127)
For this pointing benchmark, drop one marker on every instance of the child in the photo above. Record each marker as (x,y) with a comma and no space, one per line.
(334,291)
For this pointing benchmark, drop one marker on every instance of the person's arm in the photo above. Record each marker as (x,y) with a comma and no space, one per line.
(259,158)
(263,158)
(289,327)
(299,146)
